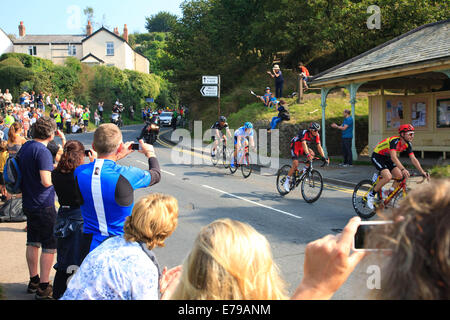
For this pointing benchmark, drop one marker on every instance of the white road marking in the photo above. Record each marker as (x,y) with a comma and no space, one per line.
(252,202)
(169,173)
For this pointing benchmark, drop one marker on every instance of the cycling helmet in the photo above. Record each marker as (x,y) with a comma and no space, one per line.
(248,125)
(222,119)
(314,126)
(405,128)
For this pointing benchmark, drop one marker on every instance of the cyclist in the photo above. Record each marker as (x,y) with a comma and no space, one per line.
(241,136)
(301,145)
(217,132)
(385,159)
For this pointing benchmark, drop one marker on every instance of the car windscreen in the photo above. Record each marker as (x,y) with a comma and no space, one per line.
(165,114)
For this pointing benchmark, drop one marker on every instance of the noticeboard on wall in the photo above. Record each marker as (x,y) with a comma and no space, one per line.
(443,113)
(394,113)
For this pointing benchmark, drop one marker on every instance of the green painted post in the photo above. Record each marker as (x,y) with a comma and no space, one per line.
(353,88)
(324,93)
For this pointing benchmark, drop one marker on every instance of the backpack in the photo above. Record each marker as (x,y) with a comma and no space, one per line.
(12,211)
(285,116)
(12,174)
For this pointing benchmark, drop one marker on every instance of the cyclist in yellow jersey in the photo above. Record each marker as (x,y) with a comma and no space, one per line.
(385,159)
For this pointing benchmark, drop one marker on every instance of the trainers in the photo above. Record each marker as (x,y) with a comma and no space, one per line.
(287,185)
(46,294)
(370,201)
(32,287)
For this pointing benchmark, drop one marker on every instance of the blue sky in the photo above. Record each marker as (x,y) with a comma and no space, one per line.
(66,16)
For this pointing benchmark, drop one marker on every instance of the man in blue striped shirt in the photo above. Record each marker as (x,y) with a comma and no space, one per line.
(107,188)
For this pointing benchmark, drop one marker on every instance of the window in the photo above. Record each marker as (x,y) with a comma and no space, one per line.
(443,113)
(32,50)
(110,48)
(72,50)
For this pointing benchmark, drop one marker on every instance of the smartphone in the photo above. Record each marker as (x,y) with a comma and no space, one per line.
(135,146)
(87,153)
(360,241)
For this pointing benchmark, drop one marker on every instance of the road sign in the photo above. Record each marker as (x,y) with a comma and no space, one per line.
(209,91)
(210,80)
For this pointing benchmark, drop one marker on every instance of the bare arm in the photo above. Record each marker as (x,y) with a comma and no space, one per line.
(46,178)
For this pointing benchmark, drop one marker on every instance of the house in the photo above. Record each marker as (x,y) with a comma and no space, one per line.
(415,68)
(6,45)
(101,47)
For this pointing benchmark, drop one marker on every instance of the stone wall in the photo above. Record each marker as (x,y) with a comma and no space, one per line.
(333,136)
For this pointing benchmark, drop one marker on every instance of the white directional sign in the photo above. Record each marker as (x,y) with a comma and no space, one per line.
(210,80)
(209,91)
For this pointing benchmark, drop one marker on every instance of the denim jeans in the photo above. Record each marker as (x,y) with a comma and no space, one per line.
(347,150)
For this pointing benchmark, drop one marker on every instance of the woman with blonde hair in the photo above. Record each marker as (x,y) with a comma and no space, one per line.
(123,267)
(230,260)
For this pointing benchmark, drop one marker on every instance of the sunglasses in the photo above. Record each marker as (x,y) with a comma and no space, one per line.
(411,134)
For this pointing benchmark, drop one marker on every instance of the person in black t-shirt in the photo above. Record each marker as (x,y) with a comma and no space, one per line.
(217,133)
(69,221)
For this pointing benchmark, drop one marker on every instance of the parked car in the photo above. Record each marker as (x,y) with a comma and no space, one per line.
(165,118)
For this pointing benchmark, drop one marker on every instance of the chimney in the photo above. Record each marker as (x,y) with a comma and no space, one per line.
(125,33)
(21,29)
(116,31)
(89,29)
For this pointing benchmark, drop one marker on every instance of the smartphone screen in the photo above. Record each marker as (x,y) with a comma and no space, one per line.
(360,242)
(87,153)
(135,146)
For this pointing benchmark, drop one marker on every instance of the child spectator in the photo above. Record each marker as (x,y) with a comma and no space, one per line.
(3,156)
(304,75)
(283,114)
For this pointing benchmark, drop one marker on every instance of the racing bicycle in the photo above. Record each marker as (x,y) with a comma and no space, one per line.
(390,200)
(310,179)
(221,154)
(244,161)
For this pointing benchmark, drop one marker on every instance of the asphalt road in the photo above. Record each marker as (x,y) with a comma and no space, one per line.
(206,193)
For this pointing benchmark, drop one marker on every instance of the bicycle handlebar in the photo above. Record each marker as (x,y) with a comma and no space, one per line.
(412,175)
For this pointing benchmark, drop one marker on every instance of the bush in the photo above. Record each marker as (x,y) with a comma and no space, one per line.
(12,76)
(11,61)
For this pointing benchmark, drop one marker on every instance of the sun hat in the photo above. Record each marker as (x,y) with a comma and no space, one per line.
(276,67)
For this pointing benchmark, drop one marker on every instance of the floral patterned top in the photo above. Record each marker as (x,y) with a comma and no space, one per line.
(115,270)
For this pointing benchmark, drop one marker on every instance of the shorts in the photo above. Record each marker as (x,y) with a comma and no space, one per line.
(382,162)
(40,225)
(242,139)
(86,123)
(2,180)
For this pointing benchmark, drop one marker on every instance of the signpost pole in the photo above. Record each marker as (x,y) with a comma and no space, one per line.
(218,94)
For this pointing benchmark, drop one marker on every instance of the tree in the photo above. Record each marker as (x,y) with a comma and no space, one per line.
(161,22)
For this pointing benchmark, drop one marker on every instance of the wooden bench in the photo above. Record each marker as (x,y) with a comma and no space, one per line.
(422,149)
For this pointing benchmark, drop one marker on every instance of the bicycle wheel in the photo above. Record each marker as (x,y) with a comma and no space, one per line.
(281,178)
(215,159)
(225,158)
(246,166)
(312,186)
(232,169)
(359,199)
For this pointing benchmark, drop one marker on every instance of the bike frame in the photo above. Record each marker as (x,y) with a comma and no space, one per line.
(401,186)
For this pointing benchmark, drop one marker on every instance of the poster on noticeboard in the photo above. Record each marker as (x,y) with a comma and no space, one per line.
(394,113)
(419,114)
(443,113)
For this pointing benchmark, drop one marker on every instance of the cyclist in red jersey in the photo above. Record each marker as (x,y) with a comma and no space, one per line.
(385,159)
(301,145)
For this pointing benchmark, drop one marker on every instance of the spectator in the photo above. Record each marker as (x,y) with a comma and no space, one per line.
(107,188)
(26,123)
(96,118)
(279,80)
(15,139)
(100,111)
(231,260)
(2,101)
(9,119)
(85,117)
(304,75)
(3,157)
(57,103)
(69,222)
(7,97)
(266,97)
(38,201)
(123,270)
(32,99)
(131,113)
(418,267)
(40,101)
(68,120)
(347,137)
(283,114)
(48,101)
(4,130)
(173,122)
